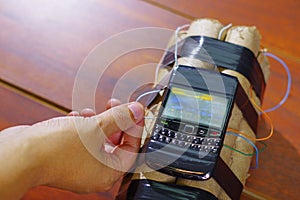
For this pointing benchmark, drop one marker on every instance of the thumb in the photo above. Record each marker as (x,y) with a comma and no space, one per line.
(120,118)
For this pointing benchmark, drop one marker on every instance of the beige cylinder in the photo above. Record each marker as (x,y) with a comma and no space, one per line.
(245,36)
(205,27)
(265,65)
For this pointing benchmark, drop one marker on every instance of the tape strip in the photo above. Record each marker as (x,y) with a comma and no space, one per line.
(149,190)
(222,54)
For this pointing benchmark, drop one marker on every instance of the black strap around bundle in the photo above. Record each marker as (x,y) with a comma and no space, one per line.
(227,180)
(222,54)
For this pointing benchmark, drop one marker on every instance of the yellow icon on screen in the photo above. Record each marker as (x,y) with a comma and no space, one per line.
(194,94)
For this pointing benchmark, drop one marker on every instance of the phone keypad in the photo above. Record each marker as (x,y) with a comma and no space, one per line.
(203,141)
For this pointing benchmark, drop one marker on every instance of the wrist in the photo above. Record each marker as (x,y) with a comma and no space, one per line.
(19,170)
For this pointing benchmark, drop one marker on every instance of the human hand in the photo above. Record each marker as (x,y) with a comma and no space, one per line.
(53,150)
(115,139)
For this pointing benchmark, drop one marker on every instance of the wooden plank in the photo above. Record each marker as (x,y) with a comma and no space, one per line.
(277,22)
(42,44)
(277,177)
(16,109)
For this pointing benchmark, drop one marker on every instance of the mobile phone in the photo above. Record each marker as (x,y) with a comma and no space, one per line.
(189,130)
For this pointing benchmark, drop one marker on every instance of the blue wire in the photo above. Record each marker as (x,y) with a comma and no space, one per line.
(252,144)
(288,90)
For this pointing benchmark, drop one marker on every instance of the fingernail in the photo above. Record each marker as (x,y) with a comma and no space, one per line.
(87,110)
(73,113)
(137,111)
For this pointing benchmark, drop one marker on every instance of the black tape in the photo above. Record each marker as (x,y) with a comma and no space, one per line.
(145,189)
(149,190)
(223,54)
(246,107)
(227,180)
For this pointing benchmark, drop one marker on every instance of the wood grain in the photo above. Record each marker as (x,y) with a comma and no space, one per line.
(276,20)
(16,109)
(43,43)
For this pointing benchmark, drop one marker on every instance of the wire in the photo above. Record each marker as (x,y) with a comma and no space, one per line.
(179,28)
(289,76)
(251,143)
(248,154)
(147,93)
(264,114)
(222,30)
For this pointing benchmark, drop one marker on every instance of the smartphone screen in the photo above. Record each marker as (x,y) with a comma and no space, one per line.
(196,107)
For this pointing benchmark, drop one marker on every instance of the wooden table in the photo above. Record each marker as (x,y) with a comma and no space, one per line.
(43,44)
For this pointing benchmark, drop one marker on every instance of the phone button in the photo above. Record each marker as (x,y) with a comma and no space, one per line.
(168,140)
(188,128)
(202,132)
(155,136)
(161,138)
(198,140)
(215,134)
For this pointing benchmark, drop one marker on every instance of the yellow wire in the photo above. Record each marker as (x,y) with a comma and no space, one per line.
(263,114)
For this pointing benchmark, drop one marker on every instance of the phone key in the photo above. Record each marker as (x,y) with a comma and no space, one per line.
(215,134)
(189,138)
(161,138)
(217,142)
(175,135)
(198,140)
(211,148)
(168,133)
(175,142)
(198,146)
(187,144)
(183,137)
(208,141)
(180,143)
(164,131)
(202,132)
(214,150)
(158,128)
(204,149)
(155,136)
(178,135)
(168,140)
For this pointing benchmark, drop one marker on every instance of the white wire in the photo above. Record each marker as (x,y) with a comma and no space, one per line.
(222,30)
(289,84)
(179,28)
(146,93)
